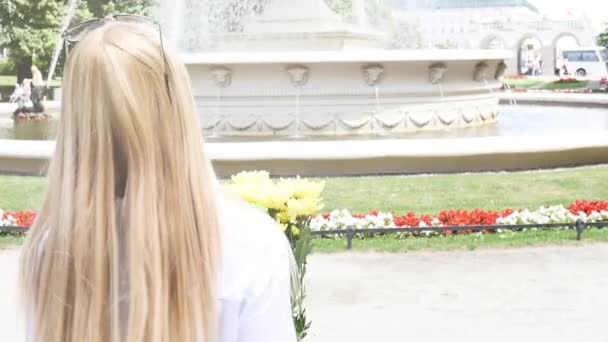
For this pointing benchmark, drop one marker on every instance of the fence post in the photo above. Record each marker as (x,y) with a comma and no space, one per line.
(350,233)
(580,226)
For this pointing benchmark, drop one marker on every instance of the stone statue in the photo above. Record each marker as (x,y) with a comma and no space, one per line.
(437,72)
(480,73)
(372,74)
(21,95)
(222,76)
(500,70)
(37,80)
(298,74)
(30,92)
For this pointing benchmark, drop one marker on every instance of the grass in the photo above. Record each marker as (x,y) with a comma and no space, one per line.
(10,241)
(10,80)
(432,193)
(523,83)
(6,81)
(442,243)
(461,242)
(565,85)
(535,83)
(21,193)
(426,194)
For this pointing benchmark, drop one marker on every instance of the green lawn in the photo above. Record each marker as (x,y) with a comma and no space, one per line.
(523,83)
(422,194)
(461,242)
(568,85)
(6,80)
(9,241)
(430,194)
(539,83)
(21,193)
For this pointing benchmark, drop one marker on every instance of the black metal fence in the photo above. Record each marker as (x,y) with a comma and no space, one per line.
(350,233)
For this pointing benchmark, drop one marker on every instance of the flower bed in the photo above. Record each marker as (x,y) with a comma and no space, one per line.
(587,211)
(16,218)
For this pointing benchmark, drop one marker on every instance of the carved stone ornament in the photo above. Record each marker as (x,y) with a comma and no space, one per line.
(500,70)
(480,73)
(222,76)
(372,74)
(437,72)
(298,74)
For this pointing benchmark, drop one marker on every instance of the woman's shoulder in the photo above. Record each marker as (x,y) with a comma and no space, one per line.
(253,247)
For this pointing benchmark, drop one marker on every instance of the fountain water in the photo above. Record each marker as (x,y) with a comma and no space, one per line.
(360,14)
(69,14)
(258,39)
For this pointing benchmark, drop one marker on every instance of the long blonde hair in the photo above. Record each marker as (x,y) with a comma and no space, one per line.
(130,207)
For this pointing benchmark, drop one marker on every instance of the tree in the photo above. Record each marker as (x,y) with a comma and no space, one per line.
(113,7)
(602,38)
(28,29)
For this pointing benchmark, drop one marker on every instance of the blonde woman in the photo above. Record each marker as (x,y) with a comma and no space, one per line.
(134,242)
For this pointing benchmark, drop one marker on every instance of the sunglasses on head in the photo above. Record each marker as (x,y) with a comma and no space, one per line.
(76,33)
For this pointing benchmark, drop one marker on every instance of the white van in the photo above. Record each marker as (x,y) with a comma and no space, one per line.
(582,61)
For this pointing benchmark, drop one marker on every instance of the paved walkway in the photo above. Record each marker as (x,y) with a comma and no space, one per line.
(550,294)
(539,294)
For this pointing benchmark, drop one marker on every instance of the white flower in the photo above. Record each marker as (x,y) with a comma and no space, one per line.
(8,221)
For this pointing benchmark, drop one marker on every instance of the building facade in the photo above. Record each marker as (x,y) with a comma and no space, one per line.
(516,25)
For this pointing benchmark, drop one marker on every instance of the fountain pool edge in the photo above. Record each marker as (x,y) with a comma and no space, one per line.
(555,98)
(363,157)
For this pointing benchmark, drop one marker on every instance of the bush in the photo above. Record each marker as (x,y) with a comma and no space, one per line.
(8,67)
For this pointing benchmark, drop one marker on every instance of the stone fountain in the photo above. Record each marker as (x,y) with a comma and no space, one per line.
(298,69)
(281,69)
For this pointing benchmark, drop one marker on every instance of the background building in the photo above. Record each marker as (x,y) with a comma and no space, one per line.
(535,38)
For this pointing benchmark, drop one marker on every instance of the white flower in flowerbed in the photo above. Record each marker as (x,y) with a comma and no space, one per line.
(549,215)
(342,219)
(8,221)
(338,219)
(596,216)
(381,220)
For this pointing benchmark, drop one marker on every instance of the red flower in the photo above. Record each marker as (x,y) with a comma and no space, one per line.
(24,218)
(588,206)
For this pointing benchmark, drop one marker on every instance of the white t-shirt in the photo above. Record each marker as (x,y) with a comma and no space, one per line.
(254,283)
(253,289)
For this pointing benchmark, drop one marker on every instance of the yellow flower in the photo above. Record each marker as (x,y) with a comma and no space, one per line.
(249,192)
(251,177)
(276,198)
(301,188)
(302,207)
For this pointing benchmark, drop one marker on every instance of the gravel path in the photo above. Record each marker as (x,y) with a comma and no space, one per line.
(536,294)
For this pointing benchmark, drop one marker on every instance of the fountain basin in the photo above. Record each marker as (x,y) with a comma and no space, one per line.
(323,93)
(362,157)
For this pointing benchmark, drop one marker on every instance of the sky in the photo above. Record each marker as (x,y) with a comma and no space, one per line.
(597,10)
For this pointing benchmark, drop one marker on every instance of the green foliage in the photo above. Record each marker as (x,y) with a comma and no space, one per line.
(29,28)
(602,38)
(7,67)
(302,247)
(113,7)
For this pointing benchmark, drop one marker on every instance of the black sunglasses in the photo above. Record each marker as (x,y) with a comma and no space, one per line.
(76,33)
